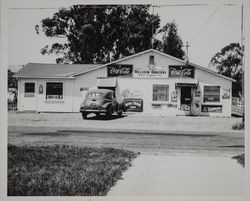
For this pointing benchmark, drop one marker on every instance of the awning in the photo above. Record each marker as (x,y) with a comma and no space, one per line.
(186,83)
(106,82)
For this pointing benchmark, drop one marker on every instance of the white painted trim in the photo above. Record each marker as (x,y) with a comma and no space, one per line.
(32,77)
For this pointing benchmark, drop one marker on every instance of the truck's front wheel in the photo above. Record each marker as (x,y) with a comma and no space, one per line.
(119,113)
(109,112)
(84,115)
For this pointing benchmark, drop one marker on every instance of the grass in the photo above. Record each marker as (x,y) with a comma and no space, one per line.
(238,126)
(63,170)
(240,159)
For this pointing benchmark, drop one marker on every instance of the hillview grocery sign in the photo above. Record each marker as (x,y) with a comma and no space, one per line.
(150,73)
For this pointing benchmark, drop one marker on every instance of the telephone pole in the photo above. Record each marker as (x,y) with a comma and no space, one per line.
(152,41)
(152,25)
(187,46)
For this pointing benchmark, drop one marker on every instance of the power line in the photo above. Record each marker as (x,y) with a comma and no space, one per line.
(205,24)
(27,8)
(103,6)
(87,6)
(205,4)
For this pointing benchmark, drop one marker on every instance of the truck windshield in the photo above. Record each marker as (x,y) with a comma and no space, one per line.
(95,95)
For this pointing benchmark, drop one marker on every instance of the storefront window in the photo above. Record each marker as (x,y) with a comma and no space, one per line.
(211,93)
(29,89)
(160,92)
(54,90)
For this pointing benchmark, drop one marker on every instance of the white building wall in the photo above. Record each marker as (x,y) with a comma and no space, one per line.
(85,81)
(143,88)
(74,90)
(205,79)
(39,102)
(142,62)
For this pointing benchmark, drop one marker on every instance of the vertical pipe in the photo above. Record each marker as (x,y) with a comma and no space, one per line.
(152,43)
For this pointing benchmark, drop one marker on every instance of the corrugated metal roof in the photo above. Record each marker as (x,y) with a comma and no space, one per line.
(37,70)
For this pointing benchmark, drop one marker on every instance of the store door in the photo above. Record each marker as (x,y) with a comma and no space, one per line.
(186,96)
(29,99)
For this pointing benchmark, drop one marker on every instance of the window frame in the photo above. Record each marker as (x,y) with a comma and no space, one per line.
(46,92)
(158,93)
(29,94)
(218,96)
(151,59)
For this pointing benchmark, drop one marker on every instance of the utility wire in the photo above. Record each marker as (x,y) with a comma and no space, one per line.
(112,5)
(205,24)
(218,32)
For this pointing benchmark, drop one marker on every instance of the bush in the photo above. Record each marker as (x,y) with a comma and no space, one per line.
(240,159)
(238,126)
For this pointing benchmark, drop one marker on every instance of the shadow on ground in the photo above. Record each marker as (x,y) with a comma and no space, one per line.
(104,117)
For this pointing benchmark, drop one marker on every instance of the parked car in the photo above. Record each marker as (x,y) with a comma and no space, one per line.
(101,101)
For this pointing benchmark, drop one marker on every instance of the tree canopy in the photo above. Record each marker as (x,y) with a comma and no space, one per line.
(228,62)
(99,34)
(171,42)
(12,81)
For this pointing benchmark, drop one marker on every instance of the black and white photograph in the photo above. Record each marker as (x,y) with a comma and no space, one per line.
(124,100)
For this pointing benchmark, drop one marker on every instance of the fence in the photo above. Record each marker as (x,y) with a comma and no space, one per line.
(12,105)
(237,106)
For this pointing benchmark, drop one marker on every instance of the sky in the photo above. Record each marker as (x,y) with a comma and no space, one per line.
(206,28)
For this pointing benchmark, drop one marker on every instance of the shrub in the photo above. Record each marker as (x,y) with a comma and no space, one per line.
(240,159)
(238,126)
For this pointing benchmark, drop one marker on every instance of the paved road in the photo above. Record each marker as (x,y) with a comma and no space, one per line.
(147,135)
(129,121)
(170,147)
(146,143)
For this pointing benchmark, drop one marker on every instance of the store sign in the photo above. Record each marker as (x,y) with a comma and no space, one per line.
(120,70)
(40,89)
(211,108)
(185,107)
(133,105)
(174,96)
(197,93)
(150,73)
(131,93)
(181,71)
(226,94)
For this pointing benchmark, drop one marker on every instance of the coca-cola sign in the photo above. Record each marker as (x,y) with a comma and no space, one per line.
(181,71)
(120,70)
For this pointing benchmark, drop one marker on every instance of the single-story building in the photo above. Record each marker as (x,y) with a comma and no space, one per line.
(150,82)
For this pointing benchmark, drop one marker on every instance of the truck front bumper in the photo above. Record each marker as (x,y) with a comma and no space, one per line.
(93,110)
